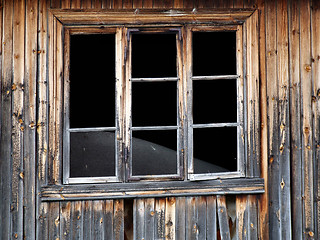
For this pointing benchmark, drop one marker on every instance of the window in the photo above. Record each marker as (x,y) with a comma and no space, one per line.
(165,127)
(155,101)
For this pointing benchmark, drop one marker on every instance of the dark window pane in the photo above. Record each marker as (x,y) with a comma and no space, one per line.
(215,149)
(214,53)
(154,55)
(154,152)
(92,80)
(92,154)
(154,103)
(214,101)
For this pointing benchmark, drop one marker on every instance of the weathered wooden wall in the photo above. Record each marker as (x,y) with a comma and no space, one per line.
(290,134)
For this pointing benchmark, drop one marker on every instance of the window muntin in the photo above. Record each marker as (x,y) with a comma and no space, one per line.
(185,136)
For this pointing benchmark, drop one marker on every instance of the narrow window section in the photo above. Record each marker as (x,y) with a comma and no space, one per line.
(92,106)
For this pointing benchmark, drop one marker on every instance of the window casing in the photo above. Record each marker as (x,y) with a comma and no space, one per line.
(243,24)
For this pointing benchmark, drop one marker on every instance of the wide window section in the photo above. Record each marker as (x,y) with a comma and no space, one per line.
(153,104)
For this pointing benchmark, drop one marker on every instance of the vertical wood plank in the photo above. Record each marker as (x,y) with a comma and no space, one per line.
(118,219)
(316,105)
(160,210)
(117,4)
(42,123)
(137,3)
(149,218)
(97,4)
(18,121)
(178,4)
(138,219)
(107,4)
(75,4)
(263,200)
(30,119)
(76,228)
(158,3)
(211,217)
(202,220)
(108,219)
(65,4)
(242,217)
(6,118)
(54,220)
(273,120)
(42,221)
(65,220)
(223,217)
(180,214)
(306,118)
(170,218)
(86,4)
(127,4)
(87,219)
(284,122)
(191,218)
(295,113)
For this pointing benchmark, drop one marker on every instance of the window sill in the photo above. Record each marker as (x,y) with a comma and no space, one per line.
(159,189)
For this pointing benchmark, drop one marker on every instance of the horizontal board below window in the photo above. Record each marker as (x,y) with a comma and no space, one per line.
(163,189)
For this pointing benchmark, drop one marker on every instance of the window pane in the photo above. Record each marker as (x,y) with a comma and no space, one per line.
(215,149)
(154,55)
(92,80)
(154,103)
(214,101)
(214,53)
(154,152)
(92,154)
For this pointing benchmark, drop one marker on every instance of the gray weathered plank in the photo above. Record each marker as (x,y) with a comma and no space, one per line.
(211,227)
(160,211)
(53,220)
(29,142)
(223,217)
(138,219)
(306,119)
(18,121)
(6,119)
(180,222)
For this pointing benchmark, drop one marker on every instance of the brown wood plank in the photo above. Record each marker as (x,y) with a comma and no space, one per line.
(118,219)
(30,119)
(66,4)
(316,105)
(18,121)
(127,4)
(75,4)
(306,118)
(137,3)
(273,121)
(97,4)
(86,4)
(6,118)
(211,227)
(263,204)
(158,3)
(107,4)
(117,4)
(178,3)
(170,218)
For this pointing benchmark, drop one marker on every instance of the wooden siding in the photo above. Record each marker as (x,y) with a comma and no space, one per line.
(289,144)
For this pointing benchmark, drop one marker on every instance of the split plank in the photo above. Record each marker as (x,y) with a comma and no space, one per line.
(273,120)
(223,217)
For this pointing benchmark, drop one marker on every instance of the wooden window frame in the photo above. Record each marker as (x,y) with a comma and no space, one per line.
(247,177)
